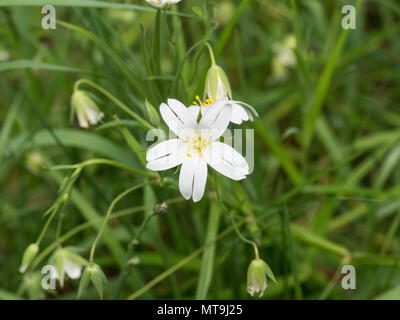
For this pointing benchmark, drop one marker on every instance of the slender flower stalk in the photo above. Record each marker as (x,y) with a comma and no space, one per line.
(196,147)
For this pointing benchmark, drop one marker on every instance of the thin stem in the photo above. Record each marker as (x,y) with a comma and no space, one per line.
(124,271)
(50,219)
(105,161)
(211,54)
(109,211)
(243,238)
(87,225)
(114,99)
(59,225)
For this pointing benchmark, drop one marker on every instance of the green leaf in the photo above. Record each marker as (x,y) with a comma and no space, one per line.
(29,64)
(207,261)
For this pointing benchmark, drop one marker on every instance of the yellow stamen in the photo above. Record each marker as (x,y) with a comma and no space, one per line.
(189,155)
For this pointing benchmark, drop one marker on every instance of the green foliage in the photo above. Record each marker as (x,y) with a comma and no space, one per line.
(325,187)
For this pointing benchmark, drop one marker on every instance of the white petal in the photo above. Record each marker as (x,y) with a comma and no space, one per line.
(72,269)
(200,179)
(175,123)
(194,110)
(215,121)
(83,123)
(183,113)
(165,163)
(239,114)
(226,161)
(209,117)
(186,177)
(163,149)
(246,108)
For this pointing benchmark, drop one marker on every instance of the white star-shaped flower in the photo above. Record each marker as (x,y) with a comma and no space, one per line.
(161,3)
(196,146)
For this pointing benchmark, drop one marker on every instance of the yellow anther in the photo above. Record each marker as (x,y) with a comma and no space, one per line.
(197,98)
(189,155)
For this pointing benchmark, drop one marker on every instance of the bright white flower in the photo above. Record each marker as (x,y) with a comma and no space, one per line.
(161,3)
(240,111)
(86,109)
(196,146)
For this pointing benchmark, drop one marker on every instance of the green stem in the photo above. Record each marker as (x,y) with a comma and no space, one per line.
(109,211)
(210,50)
(105,161)
(124,271)
(50,219)
(243,238)
(113,99)
(86,225)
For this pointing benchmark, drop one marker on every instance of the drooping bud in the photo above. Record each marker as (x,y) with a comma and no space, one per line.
(94,274)
(257,277)
(29,254)
(217,84)
(86,109)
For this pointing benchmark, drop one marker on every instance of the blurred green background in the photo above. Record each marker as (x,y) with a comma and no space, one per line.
(325,187)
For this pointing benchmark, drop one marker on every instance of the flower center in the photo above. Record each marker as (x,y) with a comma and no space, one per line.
(197,144)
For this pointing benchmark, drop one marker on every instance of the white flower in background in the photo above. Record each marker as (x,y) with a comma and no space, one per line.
(66,263)
(161,3)
(284,57)
(196,146)
(85,108)
(217,87)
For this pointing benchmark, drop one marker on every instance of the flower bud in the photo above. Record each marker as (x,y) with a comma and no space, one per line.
(152,114)
(257,277)
(94,274)
(29,254)
(86,108)
(217,83)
